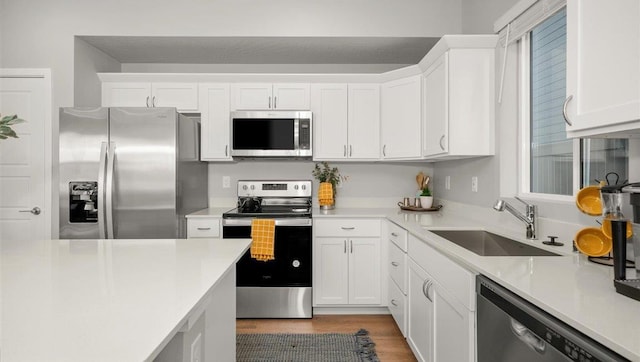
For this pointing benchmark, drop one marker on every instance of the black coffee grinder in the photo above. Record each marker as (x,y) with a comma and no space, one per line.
(611,209)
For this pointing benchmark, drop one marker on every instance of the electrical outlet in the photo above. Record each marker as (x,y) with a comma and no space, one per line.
(474,184)
(447,182)
(226,182)
(196,349)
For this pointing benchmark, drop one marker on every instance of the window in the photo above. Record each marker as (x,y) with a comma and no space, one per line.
(551,157)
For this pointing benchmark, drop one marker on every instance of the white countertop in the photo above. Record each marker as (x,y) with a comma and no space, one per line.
(104,300)
(571,288)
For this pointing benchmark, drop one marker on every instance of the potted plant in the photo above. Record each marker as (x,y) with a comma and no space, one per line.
(426,199)
(329,179)
(5,126)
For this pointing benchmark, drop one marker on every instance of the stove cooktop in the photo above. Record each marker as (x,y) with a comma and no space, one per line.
(270,211)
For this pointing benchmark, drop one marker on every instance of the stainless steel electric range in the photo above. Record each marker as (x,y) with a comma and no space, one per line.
(279,288)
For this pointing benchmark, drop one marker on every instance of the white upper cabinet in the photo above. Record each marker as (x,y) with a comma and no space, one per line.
(183,96)
(268,96)
(459,98)
(401,117)
(346,121)
(329,105)
(603,68)
(215,124)
(364,122)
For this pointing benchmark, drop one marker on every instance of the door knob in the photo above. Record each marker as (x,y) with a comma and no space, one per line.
(36,211)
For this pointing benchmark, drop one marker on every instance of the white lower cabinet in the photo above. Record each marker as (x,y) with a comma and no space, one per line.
(346,259)
(441,321)
(203,227)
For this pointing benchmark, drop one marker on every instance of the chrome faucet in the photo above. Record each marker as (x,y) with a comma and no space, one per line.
(530,218)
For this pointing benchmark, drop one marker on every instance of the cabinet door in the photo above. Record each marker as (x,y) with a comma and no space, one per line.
(364,122)
(436,110)
(420,312)
(331,271)
(364,271)
(603,63)
(215,123)
(183,96)
(401,118)
(126,94)
(453,327)
(252,96)
(329,107)
(291,96)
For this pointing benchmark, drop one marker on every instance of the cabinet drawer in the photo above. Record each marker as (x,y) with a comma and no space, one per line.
(398,306)
(398,236)
(203,228)
(347,227)
(398,267)
(458,281)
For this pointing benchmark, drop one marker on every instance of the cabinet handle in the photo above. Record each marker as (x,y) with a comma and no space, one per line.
(269,102)
(226,151)
(351,246)
(564,110)
(345,246)
(394,235)
(344,150)
(426,292)
(424,287)
(153,102)
(350,150)
(147,102)
(275,102)
(441,145)
(347,228)
(204,228)
(384,150)
(394,263)
(393,301)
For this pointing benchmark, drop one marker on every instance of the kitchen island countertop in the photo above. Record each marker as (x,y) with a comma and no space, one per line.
(105,300)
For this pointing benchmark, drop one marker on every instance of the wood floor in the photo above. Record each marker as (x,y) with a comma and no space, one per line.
(390,345)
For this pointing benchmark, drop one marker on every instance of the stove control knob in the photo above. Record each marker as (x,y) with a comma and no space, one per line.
(253,187)
(304,187)
(244,187)
(295,187)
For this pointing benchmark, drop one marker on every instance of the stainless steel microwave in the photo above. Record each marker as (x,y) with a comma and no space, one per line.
(271,134)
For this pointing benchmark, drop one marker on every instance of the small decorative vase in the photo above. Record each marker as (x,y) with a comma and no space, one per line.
(325,196)
(426,202)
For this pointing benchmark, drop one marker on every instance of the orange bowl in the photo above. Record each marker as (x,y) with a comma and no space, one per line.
(592,242)
(588,200)
(606,229)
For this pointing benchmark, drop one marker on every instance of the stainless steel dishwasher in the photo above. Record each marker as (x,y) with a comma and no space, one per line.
(512,329)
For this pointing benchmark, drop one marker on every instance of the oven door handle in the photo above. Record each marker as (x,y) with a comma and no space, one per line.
(279,222)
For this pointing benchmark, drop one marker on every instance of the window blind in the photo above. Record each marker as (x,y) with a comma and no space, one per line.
(524,16)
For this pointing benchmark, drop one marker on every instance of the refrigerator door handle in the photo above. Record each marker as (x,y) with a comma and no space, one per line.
(109,189)
(101,189)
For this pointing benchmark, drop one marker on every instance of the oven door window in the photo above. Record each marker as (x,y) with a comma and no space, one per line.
(263,134)
(292,264)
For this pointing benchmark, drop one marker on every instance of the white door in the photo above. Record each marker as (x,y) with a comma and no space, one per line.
(252,96)
(291,96)
(24,210)
(436,112)
(401,105)
(183,96)
(214,129)
(126,94)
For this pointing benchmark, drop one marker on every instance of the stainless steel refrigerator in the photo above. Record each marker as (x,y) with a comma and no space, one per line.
(129,173)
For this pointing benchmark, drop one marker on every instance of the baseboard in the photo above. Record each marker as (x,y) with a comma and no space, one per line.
(350,310)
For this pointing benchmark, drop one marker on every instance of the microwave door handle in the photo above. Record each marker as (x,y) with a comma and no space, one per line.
(296,134)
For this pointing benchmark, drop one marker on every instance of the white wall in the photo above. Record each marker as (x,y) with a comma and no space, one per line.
(381,184)
(478,16)
(89,61)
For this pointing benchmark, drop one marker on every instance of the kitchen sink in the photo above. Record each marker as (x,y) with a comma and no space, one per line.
(488,244)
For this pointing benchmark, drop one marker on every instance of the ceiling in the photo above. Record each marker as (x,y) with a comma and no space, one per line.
(263,50)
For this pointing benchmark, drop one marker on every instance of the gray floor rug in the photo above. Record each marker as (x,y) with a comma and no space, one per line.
(330,347)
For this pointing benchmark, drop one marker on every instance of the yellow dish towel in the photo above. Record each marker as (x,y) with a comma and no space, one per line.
(325,194)
(262,233)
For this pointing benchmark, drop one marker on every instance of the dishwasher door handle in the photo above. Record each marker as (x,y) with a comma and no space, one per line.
(527,337)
